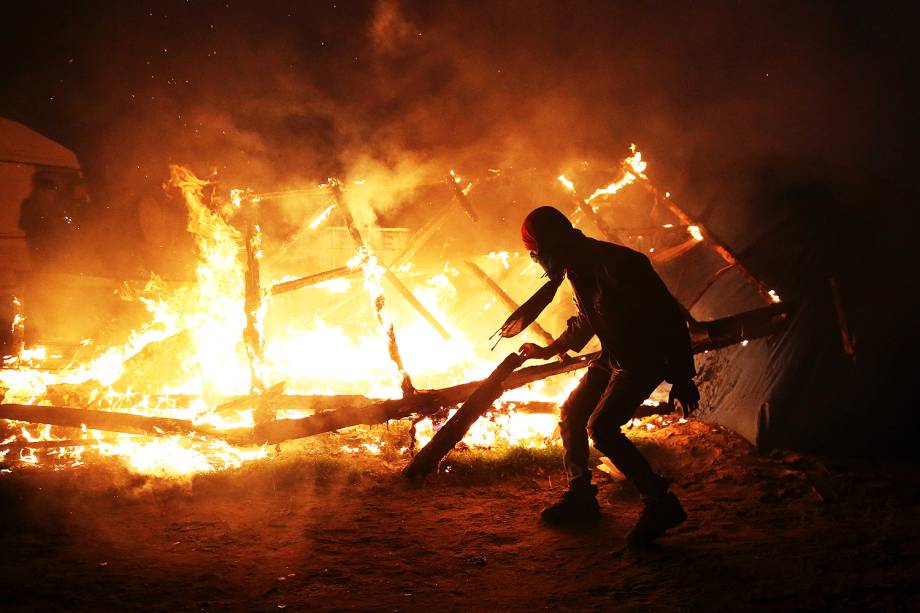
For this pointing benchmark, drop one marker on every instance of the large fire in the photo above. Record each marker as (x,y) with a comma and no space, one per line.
(191,355)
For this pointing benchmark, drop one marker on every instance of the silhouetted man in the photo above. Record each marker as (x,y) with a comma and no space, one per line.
(644,341)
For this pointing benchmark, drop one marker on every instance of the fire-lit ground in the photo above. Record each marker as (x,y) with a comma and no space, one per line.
(320,528)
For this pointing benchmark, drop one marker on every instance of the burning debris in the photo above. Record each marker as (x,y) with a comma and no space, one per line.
(224,387)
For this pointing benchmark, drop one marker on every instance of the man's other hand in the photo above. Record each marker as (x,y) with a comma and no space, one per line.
(532,351)
(687,395)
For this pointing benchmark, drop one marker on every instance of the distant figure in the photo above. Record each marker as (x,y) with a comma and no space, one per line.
(644,340)
(51,216)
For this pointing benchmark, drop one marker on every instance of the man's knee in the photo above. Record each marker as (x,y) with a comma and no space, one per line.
(571,421)
(606,434)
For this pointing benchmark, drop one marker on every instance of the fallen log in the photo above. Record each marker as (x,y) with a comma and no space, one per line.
(424,402)
(114,422)
(429,456)
(719,333)
(460,195)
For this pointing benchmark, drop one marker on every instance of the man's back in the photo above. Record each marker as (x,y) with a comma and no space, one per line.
(628,306)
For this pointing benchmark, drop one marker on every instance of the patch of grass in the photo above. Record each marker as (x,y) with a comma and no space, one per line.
(286,471)
(485,466)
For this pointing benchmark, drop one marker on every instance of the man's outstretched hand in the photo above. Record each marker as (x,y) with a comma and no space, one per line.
(687,395)
(532,351)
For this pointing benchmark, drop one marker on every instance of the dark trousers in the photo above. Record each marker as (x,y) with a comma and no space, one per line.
(603,401)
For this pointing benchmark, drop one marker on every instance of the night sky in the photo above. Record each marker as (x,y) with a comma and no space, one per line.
(270,91)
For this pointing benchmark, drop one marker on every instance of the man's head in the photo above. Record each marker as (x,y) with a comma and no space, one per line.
(548,235)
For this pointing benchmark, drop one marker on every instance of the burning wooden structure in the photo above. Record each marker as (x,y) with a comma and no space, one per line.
(230,243)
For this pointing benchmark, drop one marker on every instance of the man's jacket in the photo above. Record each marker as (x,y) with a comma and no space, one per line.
(623,301)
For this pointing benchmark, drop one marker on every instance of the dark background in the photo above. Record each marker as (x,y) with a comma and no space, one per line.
(761,117)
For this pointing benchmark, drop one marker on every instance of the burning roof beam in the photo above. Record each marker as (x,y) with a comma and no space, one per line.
(388,274)
(421,236)
(717,244)
(301,282)
(454,182)
(588,211)
(672,253)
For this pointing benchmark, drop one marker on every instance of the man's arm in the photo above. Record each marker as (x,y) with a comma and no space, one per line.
(577,334)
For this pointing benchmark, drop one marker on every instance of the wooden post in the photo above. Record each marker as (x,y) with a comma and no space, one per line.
(252,334)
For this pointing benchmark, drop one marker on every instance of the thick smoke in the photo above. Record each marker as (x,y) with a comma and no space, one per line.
(749,113)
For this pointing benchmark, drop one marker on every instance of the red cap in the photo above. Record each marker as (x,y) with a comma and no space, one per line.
(545,226)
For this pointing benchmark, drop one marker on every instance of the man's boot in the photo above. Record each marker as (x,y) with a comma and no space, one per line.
(659,514)
(578,505)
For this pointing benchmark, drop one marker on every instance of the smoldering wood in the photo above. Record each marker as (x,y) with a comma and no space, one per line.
(453,431)
(507,300)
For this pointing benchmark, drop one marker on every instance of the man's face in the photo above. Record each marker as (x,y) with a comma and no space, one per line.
(550,262)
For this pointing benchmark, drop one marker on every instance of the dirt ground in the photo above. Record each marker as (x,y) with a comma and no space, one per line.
(306,531)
